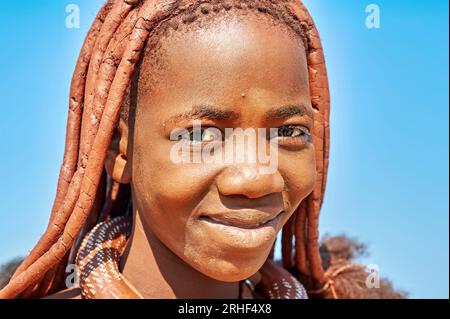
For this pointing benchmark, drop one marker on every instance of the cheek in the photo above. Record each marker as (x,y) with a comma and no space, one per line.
(155,176)
(165,193)
(299,172)
(174,187)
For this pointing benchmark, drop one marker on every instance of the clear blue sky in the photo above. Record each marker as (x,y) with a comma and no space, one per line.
(389,178)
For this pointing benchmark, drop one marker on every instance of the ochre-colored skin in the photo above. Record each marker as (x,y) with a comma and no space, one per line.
(248,66)
(229,67)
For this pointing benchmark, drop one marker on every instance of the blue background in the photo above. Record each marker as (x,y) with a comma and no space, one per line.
(388,182)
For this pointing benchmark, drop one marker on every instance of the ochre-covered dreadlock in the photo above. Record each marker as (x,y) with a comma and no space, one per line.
(108,59)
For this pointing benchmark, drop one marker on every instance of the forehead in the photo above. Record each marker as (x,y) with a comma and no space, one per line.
(217,62)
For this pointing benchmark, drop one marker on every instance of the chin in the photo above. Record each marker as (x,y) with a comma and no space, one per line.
(231,269)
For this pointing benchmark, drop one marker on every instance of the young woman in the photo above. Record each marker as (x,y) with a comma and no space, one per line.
(139,224)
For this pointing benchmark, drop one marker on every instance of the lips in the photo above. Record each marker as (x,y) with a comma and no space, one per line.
(245,231)
(241,219)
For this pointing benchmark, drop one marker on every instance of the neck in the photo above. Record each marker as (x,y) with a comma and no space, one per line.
(156,272)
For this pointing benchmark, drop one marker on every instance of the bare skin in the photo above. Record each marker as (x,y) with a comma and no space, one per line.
(249,74)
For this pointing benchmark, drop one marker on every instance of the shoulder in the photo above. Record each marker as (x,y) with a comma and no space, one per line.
(72,293)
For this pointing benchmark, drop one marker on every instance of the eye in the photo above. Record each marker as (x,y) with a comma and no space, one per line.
(293,131)
(293,135)
(202,135)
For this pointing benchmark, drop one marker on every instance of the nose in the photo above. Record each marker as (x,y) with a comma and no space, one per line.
(250,181)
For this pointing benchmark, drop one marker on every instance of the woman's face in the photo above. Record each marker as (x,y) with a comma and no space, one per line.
(222,218)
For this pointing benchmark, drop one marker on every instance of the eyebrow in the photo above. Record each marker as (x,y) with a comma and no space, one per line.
(287,111)
(205,112)
(218,114)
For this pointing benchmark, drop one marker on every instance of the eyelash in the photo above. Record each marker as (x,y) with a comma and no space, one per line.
(297,135)
(301,136)
(202,132)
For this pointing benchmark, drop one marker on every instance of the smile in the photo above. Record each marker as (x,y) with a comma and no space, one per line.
(242,223)
(238,230)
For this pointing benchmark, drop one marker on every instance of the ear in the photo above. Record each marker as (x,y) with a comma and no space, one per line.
(116,164)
